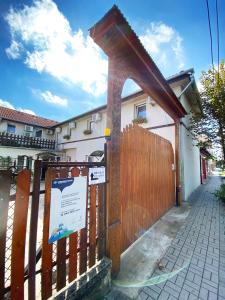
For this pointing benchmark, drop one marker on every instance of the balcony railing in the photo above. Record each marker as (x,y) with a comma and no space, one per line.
(13,140)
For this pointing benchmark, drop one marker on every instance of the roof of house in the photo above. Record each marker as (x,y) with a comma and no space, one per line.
(181,75)
(175,78)
(25,118)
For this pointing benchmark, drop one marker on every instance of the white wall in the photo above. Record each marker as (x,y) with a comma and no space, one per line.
(190,164)
(79,150)
(190,156)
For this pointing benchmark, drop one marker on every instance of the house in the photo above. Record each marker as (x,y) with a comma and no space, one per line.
(79,137)
(23,137)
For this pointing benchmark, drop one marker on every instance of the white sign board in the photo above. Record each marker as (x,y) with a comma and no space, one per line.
(68,207)
(96,175)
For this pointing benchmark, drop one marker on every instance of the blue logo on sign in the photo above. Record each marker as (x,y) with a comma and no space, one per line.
(61,184)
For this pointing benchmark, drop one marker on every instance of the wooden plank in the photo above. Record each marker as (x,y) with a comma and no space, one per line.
(101,221)
(83,237)
(33,230)
(46,275)
(5,181)
(19,234)
(92,226)
(75,172)
(61,251)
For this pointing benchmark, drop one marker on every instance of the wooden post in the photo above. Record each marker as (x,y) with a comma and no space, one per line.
(115,85)
(177,160)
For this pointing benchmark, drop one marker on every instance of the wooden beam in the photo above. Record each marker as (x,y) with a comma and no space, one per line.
(113,243)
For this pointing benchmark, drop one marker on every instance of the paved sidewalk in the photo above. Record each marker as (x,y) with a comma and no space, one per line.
(202,242)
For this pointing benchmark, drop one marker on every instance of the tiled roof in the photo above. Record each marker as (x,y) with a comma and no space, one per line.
(25,118)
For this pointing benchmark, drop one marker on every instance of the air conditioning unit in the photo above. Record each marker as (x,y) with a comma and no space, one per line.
(72,125)
(29,128)
(96,117)
(58,129)
(50,132)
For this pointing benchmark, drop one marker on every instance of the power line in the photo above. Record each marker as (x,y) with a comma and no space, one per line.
(218,36)
(210,33)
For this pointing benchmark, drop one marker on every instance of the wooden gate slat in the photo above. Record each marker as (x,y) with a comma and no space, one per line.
(83,237)
(33,230)
(61,251)
(101,221)
(75,172)
(5,181)
(92,226)
(19,234)
(46,275)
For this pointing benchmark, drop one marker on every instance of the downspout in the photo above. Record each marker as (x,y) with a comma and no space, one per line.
(184,90)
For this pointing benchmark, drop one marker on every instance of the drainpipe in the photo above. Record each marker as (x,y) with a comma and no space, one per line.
(184,90)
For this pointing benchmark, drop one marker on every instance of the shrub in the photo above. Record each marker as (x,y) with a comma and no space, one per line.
(140,120)
(87,131)
(220,193)
(66,137)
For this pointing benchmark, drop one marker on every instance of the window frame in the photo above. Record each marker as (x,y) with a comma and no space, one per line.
(137,106)
(12,126)
(39,130)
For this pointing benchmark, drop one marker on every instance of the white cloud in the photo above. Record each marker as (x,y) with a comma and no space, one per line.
(53,99)
(43,37)
(27,111)
(7,104)
(14,50)
(164,44)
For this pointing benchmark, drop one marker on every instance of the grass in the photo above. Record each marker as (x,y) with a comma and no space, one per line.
(220,193)
(222,173)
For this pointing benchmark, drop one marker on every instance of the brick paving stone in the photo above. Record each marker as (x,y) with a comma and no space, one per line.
(200,245)
(164,296)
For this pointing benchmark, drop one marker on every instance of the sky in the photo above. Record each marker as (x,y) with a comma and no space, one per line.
(52,68)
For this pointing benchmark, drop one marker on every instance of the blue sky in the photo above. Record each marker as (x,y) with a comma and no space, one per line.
(50,66)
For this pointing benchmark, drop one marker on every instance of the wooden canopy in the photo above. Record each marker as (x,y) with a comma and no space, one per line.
(115,36)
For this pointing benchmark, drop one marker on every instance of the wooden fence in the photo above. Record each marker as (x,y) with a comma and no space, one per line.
(14,140)
(29,266)
(147,181)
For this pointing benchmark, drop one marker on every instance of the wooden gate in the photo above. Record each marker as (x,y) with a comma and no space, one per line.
(29,266)
(147,181)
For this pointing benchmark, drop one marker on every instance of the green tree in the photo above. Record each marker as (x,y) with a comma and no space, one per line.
(211,122)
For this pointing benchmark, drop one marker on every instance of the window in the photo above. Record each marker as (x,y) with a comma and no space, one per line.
(141,111)
(11,128)
(39,133)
